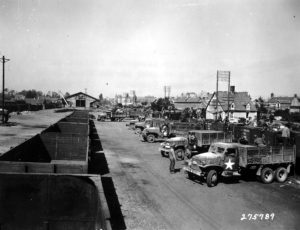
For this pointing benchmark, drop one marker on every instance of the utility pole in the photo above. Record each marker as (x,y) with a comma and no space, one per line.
(3,60)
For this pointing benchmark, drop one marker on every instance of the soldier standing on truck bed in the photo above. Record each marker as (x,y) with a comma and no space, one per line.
(285,135)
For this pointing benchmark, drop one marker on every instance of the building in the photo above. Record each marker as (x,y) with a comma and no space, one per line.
(279,103)
(239,105)
(295,105)
(81,100)
(146,99)
(181,103)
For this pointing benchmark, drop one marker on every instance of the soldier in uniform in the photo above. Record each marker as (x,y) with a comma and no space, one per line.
(172,158)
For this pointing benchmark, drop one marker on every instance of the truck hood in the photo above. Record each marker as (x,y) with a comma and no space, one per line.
(140,123)
(207,158)
(206,155)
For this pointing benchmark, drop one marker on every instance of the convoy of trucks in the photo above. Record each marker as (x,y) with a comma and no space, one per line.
(212,154)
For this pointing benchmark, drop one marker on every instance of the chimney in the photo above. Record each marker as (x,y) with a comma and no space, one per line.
(295,95)
(272,95)
(232,89)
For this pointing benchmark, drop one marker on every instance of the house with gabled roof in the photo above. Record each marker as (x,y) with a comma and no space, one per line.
(279,103)
(81,100)
(238,104)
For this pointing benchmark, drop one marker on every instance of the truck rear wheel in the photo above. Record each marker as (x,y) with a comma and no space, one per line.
(212,178)
(267,175)
(150,138)
(281,174)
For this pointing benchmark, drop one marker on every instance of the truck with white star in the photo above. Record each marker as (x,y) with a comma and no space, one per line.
(234,159)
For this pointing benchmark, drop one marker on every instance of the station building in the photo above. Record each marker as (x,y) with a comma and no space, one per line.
(81,100)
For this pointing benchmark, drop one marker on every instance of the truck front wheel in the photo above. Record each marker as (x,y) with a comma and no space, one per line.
(281,174)
(179,153)
(138,130)
(267,175)
(212,178)
(150,138)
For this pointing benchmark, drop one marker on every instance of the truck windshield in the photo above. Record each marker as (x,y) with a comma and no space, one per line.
(216,149)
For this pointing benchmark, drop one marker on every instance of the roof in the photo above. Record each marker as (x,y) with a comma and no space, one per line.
(239,99)
(281,100)
(81,93)
(190,102)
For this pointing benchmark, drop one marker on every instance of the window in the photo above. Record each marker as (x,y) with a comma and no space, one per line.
(248,107)
(232,106)
(230,152)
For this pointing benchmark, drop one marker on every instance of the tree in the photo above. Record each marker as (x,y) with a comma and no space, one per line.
(55,95)
(67,94)
(161,104)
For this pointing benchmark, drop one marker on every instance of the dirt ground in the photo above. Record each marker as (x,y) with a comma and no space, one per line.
(26,125)
(147,196)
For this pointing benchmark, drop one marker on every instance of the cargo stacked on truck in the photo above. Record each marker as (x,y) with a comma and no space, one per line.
(228,159)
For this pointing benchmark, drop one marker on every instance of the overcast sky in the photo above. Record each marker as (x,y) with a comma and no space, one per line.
(114,46)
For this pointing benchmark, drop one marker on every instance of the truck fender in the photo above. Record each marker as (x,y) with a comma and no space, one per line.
(218,168)
(258,172)
(288,169)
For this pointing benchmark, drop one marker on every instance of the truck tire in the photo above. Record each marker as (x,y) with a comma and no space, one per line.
(212,178)
(138,130)
(179,153)
(150,138)
(188,154)
(281,174)
(267,175)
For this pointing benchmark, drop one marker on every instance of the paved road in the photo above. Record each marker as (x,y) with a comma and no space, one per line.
(152,198)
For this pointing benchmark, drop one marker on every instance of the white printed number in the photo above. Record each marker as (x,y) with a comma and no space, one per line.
(267,216)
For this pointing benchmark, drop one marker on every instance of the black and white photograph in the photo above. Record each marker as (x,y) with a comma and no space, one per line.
(149,114)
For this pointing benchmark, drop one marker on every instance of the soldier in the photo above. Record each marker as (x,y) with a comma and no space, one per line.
(172,158)
(285,134)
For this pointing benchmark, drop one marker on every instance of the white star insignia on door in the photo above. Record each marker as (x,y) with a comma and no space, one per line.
(229,164)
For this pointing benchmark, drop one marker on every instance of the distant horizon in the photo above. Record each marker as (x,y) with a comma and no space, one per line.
(148,95)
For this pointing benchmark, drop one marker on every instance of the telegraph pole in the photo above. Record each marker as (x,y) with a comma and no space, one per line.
(3,60)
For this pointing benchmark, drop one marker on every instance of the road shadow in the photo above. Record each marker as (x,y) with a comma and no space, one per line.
(98,163)
(116,217)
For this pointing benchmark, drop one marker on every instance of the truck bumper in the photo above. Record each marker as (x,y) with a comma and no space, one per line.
(188,169)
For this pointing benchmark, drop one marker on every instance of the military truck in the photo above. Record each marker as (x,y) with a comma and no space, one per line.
(168,129)
(228,159)
(197,141)
(160,130)
(178,144)
(140,126)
